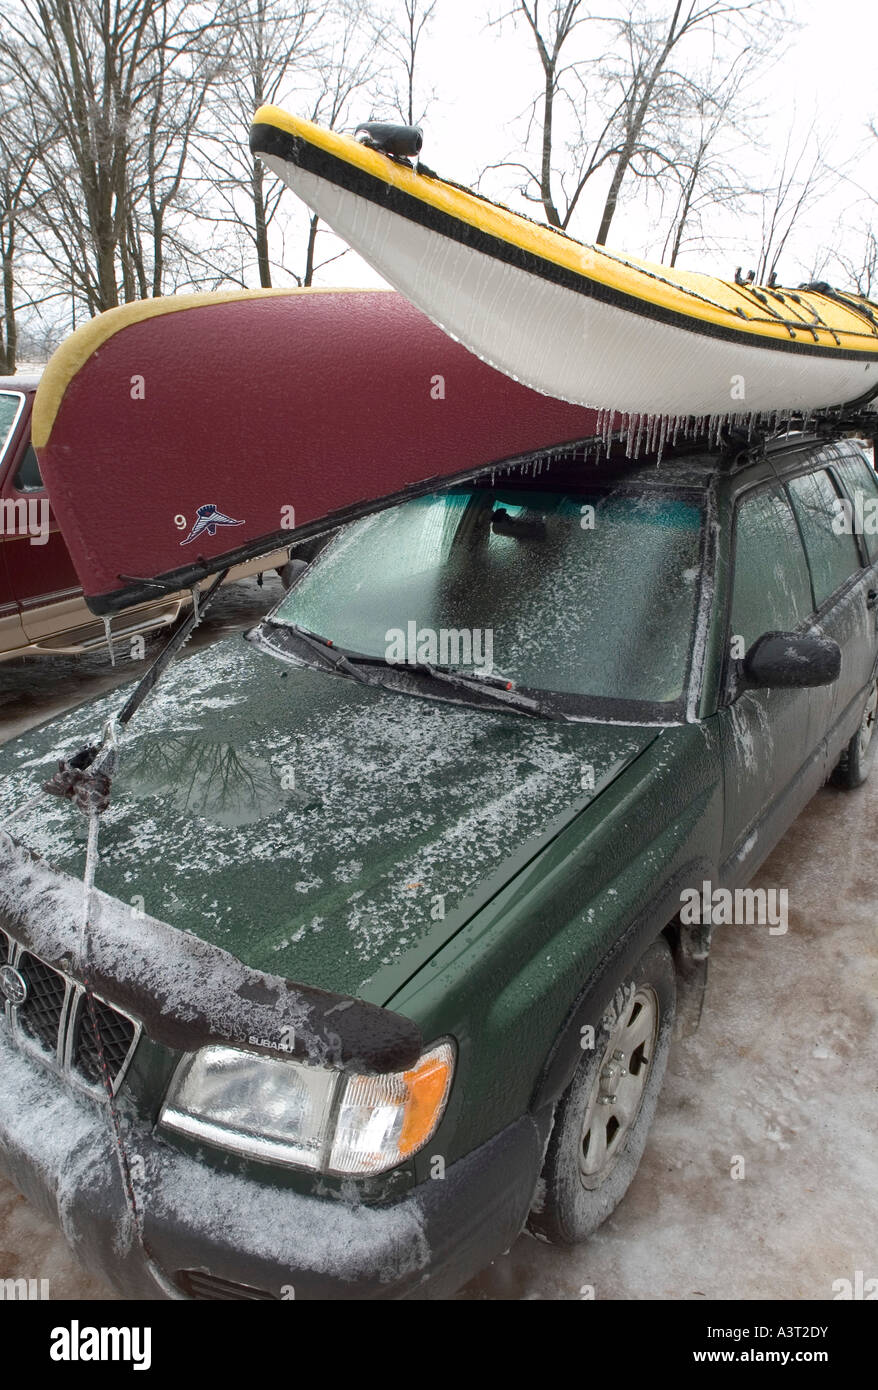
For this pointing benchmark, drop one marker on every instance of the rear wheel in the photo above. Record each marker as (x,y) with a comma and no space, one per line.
(603,1119)
(855,763)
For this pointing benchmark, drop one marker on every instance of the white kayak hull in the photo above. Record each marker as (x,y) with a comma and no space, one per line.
(565,344)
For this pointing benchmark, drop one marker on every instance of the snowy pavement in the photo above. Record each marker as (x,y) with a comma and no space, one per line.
(760,1175)
(782,1073)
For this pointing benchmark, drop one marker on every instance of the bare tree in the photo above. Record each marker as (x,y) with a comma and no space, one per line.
(801,178)
(626,102)
(272,50)
(313,55)
(347,72)
(172,98)
(563,86)
(113,82)
(650,84)
(20,148)
(860,267)
(703,170)
(399,31)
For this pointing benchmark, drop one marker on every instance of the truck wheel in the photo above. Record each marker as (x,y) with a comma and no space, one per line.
(855,762)
(603,1118)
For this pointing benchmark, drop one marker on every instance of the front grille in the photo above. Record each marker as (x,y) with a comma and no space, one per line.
(117,1033)
(41,1016)
(54,1023)
(198,1284)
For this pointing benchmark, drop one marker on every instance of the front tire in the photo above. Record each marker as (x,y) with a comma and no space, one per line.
(855,763)
(603,1118)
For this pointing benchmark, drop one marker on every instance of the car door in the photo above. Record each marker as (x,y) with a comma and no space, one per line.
(771,738)
(843,578)
(12,409)
(41,572)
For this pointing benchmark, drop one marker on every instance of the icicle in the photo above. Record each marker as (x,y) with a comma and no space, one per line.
(641,428)
(662,436)
(109,639)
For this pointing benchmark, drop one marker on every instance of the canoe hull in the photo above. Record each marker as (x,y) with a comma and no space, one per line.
(281,410)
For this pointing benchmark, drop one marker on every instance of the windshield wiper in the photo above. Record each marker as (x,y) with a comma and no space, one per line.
(325,649)
(497,688)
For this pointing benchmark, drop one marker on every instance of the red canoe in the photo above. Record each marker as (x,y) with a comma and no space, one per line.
(177,436)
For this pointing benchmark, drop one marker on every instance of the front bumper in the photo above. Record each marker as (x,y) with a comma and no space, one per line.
(57,1148)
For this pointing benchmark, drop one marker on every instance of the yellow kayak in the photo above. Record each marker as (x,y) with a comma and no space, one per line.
(575,321)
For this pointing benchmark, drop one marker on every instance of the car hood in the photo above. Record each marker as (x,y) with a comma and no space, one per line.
(313,827)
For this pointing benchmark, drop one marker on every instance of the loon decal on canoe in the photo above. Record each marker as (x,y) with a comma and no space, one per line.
(571,320)
(181,435)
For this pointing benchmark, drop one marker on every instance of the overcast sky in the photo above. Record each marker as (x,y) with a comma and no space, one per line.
(825,76)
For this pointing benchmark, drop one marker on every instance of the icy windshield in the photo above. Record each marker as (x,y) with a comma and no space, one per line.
(592,595)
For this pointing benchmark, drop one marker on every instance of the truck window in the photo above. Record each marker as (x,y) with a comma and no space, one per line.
(28,478)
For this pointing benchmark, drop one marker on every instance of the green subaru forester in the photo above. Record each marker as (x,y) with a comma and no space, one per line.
(386,943)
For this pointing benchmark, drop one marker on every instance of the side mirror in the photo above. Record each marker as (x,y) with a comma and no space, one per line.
(789,661)
(290,572)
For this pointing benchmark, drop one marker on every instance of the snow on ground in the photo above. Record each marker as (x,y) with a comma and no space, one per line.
(782,1075)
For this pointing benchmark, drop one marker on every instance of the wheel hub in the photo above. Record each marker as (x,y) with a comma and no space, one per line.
(867,728)
(617,1094)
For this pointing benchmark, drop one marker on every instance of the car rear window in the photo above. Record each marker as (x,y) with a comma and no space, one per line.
(861,485)
(833,554)
(772,589)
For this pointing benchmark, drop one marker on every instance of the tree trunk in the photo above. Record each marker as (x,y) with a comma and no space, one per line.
(636,126)
(9,345)
(260,226)
(613,196)
(546,166)
(158,255)
(684,214)
(309,259)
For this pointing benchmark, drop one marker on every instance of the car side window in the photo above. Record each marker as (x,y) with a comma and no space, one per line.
(28,478)
(861,485)
(833,554)
(772,588)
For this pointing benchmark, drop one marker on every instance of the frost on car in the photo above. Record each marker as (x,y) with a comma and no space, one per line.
(386,944)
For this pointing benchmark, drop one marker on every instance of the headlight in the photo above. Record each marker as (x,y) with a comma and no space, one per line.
(308,1117)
